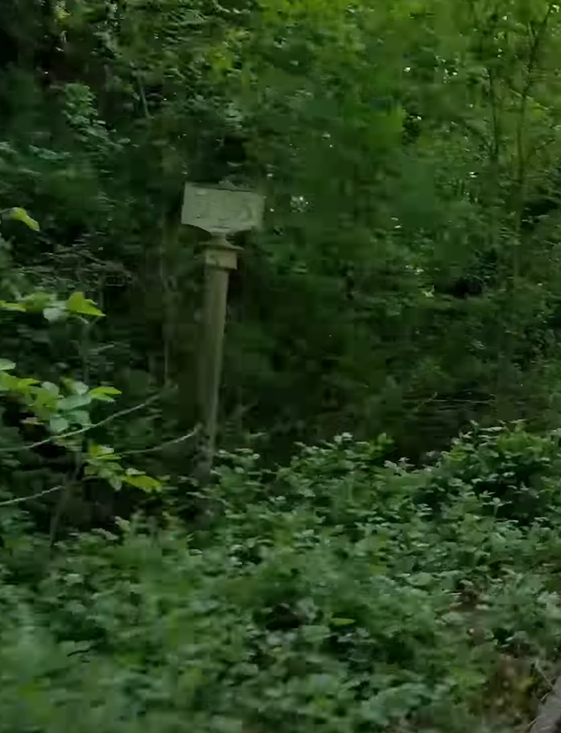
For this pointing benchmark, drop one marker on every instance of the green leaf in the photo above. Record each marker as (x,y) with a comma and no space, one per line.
(101,453)
(54,313)
(104,394)
(6,365)
(27,382)
(45,400)
(19,214)
(143,482)
(20,307)
(39,300)
(74,401)
(342,621)
(81,417)
(24,386)
(115,482)
(58,424)
(78,303)
(422,579)
(8,382)
(51,388)
(79,388)
(96,450)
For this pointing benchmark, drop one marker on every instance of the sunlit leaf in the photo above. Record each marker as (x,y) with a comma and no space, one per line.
(53,314)
(342,621)
(8,381)
(12,306)
(39,300)
(78,303)
(143,482)
(73,402)
(25,385)
(104,394)
(6,365)
(101,453)
(19,214)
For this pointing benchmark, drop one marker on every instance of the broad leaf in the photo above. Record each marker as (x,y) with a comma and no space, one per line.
(104,394)
(58,424)
(53,314)
(79,388)
(6,365)
(98,452)
(74,402)
(39,300)
(143,482)
(116,482)
(5,305)
(19,214)
(81,417)
(51,388)
(78,303)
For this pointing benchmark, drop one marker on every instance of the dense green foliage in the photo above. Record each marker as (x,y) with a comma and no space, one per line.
(406,277)
(405,283)
(327,596)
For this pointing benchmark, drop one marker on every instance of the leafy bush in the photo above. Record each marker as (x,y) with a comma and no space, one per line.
(519,469)
(325,597)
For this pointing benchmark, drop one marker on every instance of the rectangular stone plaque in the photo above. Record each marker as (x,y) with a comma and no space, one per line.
(221,210)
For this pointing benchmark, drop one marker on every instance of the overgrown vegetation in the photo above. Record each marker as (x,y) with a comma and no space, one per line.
(328,596)
(405,284)
(409,154)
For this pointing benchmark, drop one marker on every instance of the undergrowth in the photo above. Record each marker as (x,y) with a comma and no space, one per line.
(338,594)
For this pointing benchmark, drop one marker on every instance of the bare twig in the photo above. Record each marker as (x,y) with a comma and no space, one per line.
(22,499)
(155,448)
(142,94)
(538,36)
(81,431)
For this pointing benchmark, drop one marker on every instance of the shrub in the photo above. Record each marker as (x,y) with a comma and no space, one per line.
(521,470)
(332,601)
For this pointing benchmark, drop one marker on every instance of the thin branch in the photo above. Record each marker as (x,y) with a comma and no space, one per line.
(141,91)
(525,94)
(155,448)
(495,118)
(81,431)
(22,499)
(494,145)
(142,96)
